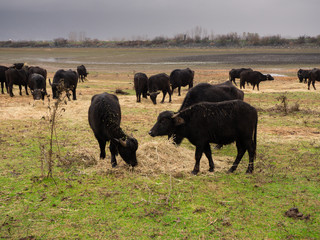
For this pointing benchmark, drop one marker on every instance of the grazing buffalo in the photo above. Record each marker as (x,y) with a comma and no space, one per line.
(159,82)
(140,81)
(314,76)
(104,119)
(82,72)
(70,81)
(205,123)
(38,70)
(235,73)
(181,78)
(3,80)
(303,75)
(37,85)
(205,92)
(254,78)
(17,77)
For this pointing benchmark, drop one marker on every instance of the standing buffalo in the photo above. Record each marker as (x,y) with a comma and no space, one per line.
(314,76)
(17,77)
(205,123)
(140,81)
(235,73)
(37,85)
(205,92)
(104,119)
(3,80)
(82,72)
(254,78)
(180,78)
(38,70)
(159,82)
(303,75)
(70,81)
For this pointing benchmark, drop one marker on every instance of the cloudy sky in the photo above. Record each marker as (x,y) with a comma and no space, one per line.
(146,19)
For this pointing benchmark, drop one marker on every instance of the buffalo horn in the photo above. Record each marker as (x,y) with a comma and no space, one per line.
(123,143)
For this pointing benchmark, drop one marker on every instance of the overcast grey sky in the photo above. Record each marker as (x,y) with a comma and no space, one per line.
(118,19)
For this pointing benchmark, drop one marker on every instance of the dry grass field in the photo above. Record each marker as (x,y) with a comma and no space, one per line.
(288,152)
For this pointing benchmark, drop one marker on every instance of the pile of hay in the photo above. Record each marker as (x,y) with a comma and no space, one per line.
(162,157)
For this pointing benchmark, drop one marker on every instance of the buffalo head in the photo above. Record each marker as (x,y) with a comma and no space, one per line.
(153,97)
(127,150)
(269,77)
(166,124)
(38,94)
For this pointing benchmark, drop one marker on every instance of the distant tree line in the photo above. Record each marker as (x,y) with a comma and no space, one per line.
(195,38)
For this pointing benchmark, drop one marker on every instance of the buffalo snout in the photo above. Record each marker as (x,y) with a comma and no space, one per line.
(151,134)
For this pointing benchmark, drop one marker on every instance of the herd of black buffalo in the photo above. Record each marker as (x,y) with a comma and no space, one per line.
(209,113)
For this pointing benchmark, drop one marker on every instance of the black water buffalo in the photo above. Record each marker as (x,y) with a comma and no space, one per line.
(303,75)
(18,65)
(104,119)
(181,78)
(235,73)
(37,85)
(159,82)
(3,80)
(254,78)
(70,80)
(314,76)
(82,72)
(140,81)
(205,92)
(39,70)
(204,123)
(17,77)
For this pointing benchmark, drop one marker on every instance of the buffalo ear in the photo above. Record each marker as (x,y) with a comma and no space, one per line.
(178,120)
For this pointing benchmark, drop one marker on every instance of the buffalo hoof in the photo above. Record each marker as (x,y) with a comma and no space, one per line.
(114,165)
(231,170)
(194,172)
(211,169)
(249,171)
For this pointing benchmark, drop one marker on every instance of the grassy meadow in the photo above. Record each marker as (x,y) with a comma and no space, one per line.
(159,199)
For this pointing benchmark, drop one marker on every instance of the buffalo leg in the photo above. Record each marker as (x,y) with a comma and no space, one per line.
(102,145)
(309,82)
(208,154)
(10,90)
(74,96)
(26,87)
(114,152)
(313,82)
(20,88)
(252,154)
(179,91)
(241,151)
(164,95)
(198,155)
